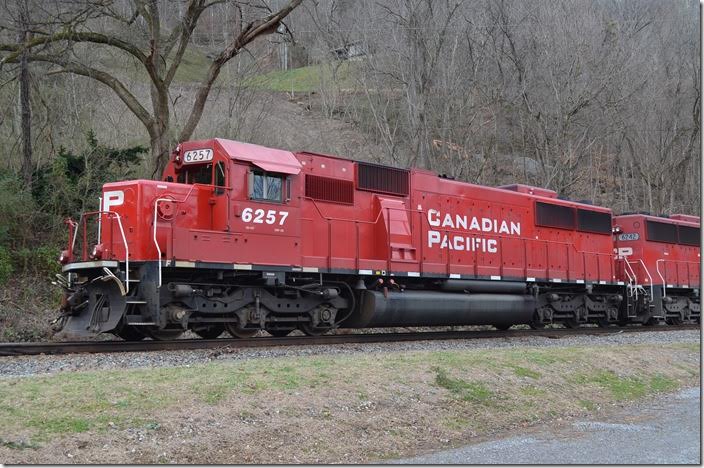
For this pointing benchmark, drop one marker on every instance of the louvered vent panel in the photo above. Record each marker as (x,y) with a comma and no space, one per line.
(384,179)
(329,190)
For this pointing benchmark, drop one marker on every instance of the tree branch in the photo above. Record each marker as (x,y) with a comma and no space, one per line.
(184,29)
(113,83)
(72,36)
(253,30)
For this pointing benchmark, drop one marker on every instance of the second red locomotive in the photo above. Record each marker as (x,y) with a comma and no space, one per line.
(243,238)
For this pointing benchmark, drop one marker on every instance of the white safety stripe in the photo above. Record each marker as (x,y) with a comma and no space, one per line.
(670,286)
(412,274)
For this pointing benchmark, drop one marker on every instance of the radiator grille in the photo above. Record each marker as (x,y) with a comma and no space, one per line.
(329,190)
(375,178)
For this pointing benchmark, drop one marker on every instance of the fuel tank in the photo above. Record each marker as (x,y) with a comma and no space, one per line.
(428,308)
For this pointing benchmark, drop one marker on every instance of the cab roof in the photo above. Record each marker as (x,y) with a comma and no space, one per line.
(269,159)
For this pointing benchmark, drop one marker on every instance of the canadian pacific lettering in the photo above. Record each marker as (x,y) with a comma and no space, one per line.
(466,242)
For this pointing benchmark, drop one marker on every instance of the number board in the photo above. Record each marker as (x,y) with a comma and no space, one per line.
(629,236)
(197,156)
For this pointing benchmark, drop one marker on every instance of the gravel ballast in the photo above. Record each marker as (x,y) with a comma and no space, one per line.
(19,366)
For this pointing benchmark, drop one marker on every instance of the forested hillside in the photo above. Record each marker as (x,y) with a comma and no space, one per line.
(598,100)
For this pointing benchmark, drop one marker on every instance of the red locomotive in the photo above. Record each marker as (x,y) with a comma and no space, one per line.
(240,237)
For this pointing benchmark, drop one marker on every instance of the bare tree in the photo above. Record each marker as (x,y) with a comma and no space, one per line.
(138,30)
(25,106)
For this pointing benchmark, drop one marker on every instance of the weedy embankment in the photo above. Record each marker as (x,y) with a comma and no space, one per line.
(355,408)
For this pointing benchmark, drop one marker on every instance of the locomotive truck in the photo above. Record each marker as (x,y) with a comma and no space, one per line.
(243,238)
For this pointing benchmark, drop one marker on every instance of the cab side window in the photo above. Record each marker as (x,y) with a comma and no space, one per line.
(220,182)
(266,186)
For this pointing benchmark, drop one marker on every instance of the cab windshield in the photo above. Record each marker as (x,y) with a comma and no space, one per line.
(203,174)
(198,174)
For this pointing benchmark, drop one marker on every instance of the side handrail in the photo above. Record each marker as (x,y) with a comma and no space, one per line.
(662,278)
(650,278)
(84,219)
(156,244)
(632,277)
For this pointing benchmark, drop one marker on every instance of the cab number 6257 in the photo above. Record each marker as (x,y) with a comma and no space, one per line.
(259,216)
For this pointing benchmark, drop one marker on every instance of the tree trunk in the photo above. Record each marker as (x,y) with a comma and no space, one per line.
(25,105)
(160,150)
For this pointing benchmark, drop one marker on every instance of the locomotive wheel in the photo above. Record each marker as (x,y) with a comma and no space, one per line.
(603,323)
(674,321)
(536,325)
(311,331)
(163,335)
(280,333)
(210,333)
(652,321)
(571,323)
(502,327)
(234,329)
(130,333)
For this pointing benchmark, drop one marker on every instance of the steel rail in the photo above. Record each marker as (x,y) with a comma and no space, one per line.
(114,346)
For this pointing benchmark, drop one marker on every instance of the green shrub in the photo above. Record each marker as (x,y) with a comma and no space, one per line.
(5,265)
(39,261)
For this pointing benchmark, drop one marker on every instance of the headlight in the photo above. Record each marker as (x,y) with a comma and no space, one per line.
(64,257)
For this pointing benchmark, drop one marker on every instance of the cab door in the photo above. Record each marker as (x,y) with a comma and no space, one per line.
(220,197)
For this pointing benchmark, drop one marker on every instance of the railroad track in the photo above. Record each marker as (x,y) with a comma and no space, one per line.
(74,347)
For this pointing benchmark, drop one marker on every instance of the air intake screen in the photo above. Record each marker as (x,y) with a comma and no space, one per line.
(593,221)
(329,190)
(557,216)
(661,232)
(689,235)
(375,178)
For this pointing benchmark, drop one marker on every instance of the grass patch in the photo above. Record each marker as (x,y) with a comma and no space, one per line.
(304,79)
(475,392)
(629,387)
(622,388)
(525,372)
(456,423)
(587,404)
(21,445)
(660,383)
(193,67)
(60,425)
(533,391)
(543,357)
